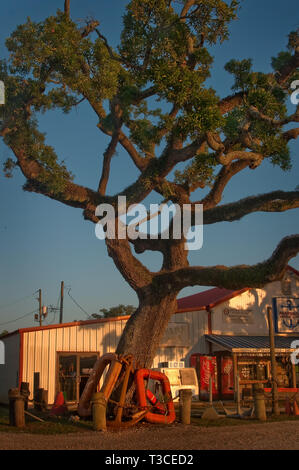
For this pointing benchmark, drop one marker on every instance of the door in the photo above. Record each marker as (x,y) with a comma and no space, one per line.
(86,364)
(73,373)
(67,377)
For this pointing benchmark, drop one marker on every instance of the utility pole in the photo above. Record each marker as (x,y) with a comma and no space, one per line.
(40,306)
(61,302)
(42,310)
(275,405)
(38,316)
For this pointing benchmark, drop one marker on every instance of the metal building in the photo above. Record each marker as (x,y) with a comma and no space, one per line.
(59,357)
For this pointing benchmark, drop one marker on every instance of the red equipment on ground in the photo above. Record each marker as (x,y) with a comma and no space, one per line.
(59,408)
(145,374)
(155,402)
(295,408)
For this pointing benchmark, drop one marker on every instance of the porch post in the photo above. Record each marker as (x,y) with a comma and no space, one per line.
(235,369)
(294,379)
(275,404)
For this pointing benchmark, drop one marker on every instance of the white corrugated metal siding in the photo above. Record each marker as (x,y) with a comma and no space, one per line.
(41,346)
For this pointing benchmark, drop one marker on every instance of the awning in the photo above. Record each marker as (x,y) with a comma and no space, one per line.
(251,344)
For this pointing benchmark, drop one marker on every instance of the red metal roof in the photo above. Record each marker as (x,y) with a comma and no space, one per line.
(208,298)
(201,301)
(212,297)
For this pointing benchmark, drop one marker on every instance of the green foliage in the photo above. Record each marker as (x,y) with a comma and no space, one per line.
(200,172)
(277,149)
(293,40)
(281,60)
(54,50)
(8,166)
(212,17)
(119,311)
(53,66)
(154,42)
(234,122)
(261,92)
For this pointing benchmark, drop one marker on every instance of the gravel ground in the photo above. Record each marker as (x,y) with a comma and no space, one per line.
(271,436)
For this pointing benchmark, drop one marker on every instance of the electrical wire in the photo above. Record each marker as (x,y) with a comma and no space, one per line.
(17,301)
(54,310)
(20,318)
(53,319)
(76,303)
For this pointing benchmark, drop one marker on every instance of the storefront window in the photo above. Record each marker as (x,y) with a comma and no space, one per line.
(252,371)
(73,374)
(283,367)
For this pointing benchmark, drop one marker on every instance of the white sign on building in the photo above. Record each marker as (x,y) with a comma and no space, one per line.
(177,334)
(286,311)
(234,315)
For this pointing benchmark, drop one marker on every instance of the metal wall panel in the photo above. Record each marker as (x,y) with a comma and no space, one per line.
(41,346)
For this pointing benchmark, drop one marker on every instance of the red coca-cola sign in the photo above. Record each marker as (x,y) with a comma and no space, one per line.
(207,370)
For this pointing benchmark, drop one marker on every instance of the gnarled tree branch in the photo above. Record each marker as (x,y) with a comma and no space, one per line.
(236,277)
(276,201)
(67,7)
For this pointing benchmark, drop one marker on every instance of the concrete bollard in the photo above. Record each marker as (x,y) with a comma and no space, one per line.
(25,392)
(16,408)
(12,394)
(185,406)
(99,405)
(259,402)
(19,412)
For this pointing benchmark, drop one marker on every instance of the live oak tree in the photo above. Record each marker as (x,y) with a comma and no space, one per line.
(163,59)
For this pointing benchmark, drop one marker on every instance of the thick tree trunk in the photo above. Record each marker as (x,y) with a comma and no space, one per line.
(146,327)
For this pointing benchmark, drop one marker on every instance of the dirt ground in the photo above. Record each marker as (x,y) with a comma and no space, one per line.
(273,436)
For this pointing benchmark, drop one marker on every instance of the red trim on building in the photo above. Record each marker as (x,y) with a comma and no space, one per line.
(207,299)
(7,335)
(228,297)
(190,309)
(21,358)
(290,268)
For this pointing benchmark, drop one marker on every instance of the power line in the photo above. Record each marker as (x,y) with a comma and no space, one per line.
(17,301)
(20,318)
(54,310)
(75,302)
(53,319)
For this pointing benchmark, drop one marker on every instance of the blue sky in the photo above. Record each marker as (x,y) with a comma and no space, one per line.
(44,242)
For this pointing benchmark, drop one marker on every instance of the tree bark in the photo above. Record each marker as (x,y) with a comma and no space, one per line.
(146,327)
(67,8)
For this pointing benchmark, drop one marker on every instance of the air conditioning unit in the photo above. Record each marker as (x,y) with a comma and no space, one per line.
(172,364)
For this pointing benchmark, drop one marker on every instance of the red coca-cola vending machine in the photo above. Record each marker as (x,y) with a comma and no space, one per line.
(227,377)
(206,367)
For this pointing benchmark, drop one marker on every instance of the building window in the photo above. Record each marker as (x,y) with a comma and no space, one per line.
(73,373)
(252,370)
